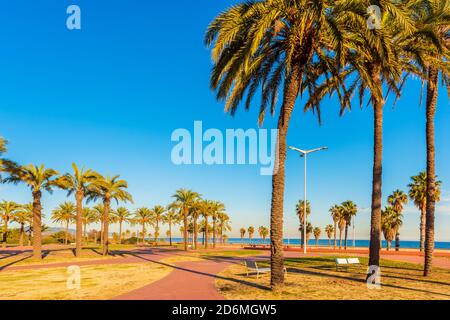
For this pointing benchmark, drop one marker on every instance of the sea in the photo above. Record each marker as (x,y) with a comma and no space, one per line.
(324,243)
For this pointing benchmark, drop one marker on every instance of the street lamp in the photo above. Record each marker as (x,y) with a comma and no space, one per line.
(304,154)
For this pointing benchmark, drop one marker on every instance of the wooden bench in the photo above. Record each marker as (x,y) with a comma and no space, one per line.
(252,266)
(345,263)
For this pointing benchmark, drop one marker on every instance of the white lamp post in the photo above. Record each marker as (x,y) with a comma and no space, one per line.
(304,154)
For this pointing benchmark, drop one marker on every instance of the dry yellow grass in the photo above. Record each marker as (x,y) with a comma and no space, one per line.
(97,282)
(316,279)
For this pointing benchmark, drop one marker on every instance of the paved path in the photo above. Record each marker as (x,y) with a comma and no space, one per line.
(189,281)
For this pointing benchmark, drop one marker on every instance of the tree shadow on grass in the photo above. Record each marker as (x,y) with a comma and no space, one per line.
(353,279)
(247,283)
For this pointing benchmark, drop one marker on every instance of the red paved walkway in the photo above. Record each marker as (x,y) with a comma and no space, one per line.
(189,281)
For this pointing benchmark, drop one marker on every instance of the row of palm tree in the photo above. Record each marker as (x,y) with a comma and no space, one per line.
(343,216)
(263,232)
(289,47)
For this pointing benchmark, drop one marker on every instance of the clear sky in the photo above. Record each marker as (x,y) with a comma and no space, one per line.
(110,95)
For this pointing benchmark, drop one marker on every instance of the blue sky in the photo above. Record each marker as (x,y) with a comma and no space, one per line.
(110,95)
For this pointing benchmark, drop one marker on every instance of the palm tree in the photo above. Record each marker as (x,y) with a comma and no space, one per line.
(8,209)
(171,217)
(99,210)
(432,17)
(349,211)
(418,194)
(374,58)
(387,225)
(217,208)
(206,207)
(397,200)
(107,189)
(309,230)
(251,231)
(272,45)
(195,212)
(37,178)
(329,229)
(335,212)
(158,215)
(65,213)
(242,231)
(224,224)
(263,232)
(184,200)
(300,209)
(122,215)
(89,217)
(317,233)
(143,216)
(78,184)
(23,216)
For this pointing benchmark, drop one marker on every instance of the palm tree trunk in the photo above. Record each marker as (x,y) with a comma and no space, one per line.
(335,231)
(85,237)
(79,222)
(143,233)
(120,231)
(397,241)
(106,204)
(206,232)
(214,233)
(423,218)
(291,90)
(37,225)
(22,231)
(5,233)
(340,238)
(302,236)
(346,236)
(67,233)
(375,221)
(432,93)
(170,233)
(185,231)
(195,233)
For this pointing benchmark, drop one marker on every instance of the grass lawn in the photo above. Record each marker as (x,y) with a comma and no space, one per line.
(97,282)
(58,255)
(316,278)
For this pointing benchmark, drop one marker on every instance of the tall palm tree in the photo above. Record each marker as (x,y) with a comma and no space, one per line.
(432,17)
(158,215)
(23,216)
(107,189)
(99,210)
(37,178)
(374,57)
(272,45)
(89,217)
(144,217)
(242,231)
(397,200)
(217,208)
(64,214)
(329,230)
(122,215)
(184,200)
(300,209)
(387,225)
(251,231)
(418,194)
(263,232)
(224,224)
(317,231)
(8,209)
(349,211)
(171,217)
(78,184)
(335,212)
